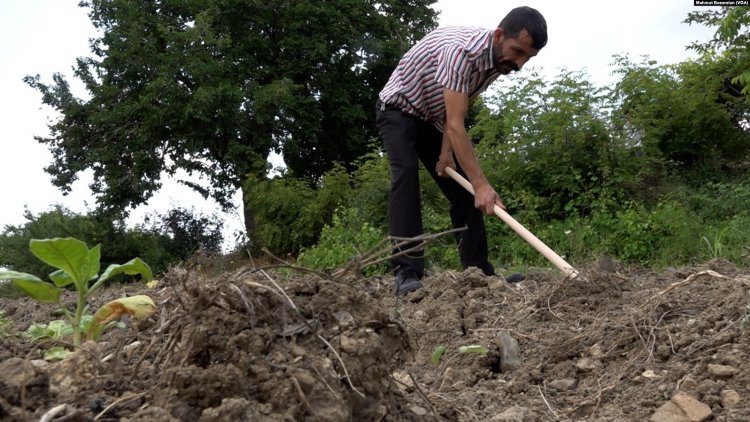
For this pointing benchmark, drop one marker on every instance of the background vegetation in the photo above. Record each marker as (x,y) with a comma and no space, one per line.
(651,170)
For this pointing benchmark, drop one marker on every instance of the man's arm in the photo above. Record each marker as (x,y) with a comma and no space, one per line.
(456,107)
(446,155)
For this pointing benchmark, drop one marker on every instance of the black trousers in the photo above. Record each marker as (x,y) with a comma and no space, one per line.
(407,140)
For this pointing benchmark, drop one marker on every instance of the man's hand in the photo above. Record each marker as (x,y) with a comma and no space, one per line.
(446,160)
(485,198)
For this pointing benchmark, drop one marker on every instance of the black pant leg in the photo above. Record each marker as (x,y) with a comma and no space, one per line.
(400,133)
(408,139)
(472,243)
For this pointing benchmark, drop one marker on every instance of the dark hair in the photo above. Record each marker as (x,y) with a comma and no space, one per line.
(529,19)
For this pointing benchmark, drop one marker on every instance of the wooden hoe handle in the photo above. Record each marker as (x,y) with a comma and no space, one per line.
(529,237)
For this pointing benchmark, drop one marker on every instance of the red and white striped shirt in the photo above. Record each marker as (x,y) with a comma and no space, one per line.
(457,58)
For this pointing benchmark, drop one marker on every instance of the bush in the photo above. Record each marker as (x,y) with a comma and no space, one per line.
(344,239)
(162,240)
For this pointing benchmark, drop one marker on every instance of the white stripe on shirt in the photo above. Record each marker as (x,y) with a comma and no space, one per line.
(457,58)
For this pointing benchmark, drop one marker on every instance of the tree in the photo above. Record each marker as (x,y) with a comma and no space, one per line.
(548,145)
(684,113)
(161,241)
(732,36)
(214,86)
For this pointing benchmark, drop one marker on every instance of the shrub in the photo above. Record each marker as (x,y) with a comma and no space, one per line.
(344,239)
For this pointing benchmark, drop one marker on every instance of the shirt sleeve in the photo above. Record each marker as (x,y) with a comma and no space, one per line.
(453,68)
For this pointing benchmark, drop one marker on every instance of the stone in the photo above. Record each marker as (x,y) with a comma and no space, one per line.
(695,410)
(682,408)
(514,414)
(404,380)
(729,398)
(596,351)
(510,353)
(564,384)
(688,384)
(588,364)
(419,411)
(351,345)
(722,371)
(345,319)
(669,412)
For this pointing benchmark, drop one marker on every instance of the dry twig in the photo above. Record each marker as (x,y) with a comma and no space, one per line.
(121,400)
(386,246)
(689,279)
(547,403)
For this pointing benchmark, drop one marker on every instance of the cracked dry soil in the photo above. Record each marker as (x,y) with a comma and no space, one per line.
(625,344)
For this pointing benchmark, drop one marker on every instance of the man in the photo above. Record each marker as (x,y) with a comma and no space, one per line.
(420,116)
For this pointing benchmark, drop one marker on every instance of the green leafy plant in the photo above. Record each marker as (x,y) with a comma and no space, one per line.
(716,247)
(78,266)
(345,238)
(6,326)
(439,351)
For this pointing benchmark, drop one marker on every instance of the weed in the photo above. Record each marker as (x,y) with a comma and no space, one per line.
(716,247)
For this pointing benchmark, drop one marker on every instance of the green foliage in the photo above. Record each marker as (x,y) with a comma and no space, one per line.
(180,233)
(290,213)
(77,265)
(681,113)
(344,239)
(746,317)
(437,354)
(548,143)
(9,290)
(55,330)
(57,222)
(732,35)
(440,350)
(60,330)
(212,87)
(6,326)
(163,239)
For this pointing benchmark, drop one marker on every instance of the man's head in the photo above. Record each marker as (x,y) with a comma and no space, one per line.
(519,37)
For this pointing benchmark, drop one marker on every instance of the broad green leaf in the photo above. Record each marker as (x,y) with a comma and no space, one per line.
(473,348)
(56,329)
(56,353)
(61,278)
(33,286)
(15,275)
(93,264)
(67,254)
(60,329)
(138,307)
(37,332)
(133,267)
(437,354)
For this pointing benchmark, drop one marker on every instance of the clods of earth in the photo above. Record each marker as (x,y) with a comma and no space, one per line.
(259,344)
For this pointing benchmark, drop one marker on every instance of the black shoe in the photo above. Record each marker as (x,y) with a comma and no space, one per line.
(406,281)
(515,278)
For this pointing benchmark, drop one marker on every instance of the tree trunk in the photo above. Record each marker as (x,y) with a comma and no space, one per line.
(249,218)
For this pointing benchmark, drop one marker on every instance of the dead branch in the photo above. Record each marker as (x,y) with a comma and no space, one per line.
(386,246)
(689,279)
(121,400)
(421,393)
(303,398)
(547,403)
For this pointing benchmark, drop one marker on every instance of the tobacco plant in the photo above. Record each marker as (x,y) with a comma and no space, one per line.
(79,266)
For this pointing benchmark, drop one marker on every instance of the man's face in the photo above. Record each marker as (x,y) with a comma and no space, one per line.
(510,54)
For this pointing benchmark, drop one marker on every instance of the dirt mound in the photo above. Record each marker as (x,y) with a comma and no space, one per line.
(624,344)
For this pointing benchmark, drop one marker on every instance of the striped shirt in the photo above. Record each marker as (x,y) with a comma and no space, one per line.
(457,58)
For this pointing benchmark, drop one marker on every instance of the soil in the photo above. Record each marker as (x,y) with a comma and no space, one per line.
(281,345)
